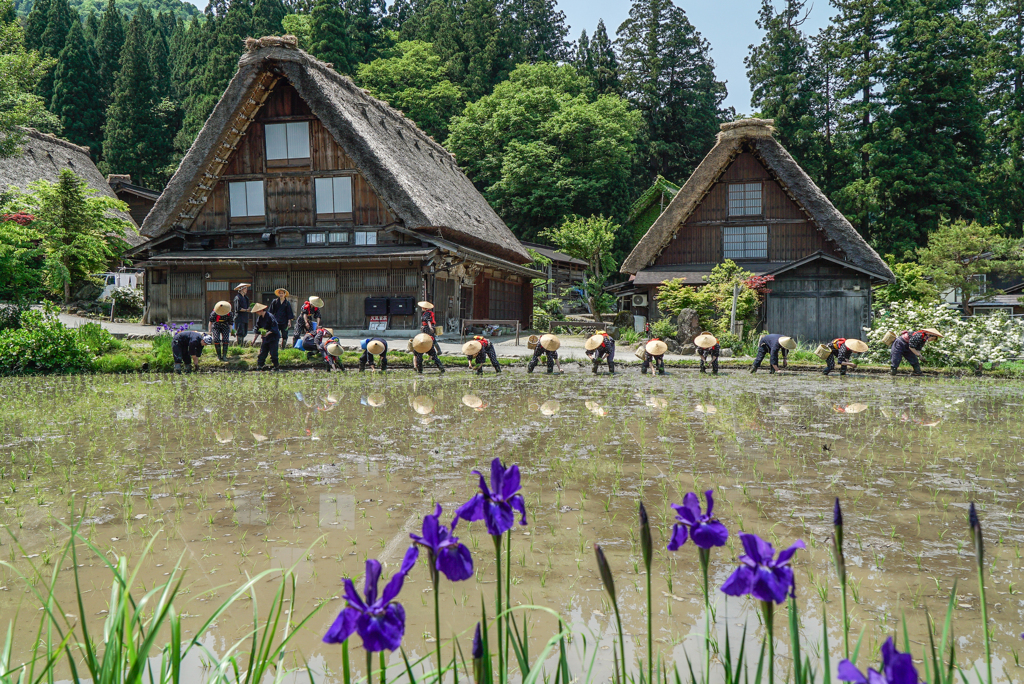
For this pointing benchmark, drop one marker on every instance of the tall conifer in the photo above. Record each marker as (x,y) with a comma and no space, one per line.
(131,144)
(329,31)
(266,18)
(35,24)
(74,92)
(59,18)
(109,42)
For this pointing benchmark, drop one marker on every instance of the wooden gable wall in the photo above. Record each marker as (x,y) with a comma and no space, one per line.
(288,191)
(792,234)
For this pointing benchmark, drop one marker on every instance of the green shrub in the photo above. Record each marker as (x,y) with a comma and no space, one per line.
(122,362)
(294,355)
(713,301)
(97,339)
(162,359)
(10,315)
(42,345)
(664,329)
(629,336)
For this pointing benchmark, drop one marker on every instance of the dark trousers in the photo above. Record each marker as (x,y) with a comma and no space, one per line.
(601,353)
(332,363)
(764,350)
(367,360)
(418,359)
(650,360)
(537,353)
(901,350)
(482,357)
(704,354)
(179,349)
(241,329)
(268,346)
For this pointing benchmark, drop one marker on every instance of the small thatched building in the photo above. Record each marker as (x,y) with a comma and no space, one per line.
(302,180)
(750,202)
(44,156)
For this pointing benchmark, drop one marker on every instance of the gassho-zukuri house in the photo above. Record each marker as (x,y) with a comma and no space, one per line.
(749,201)
(301,180)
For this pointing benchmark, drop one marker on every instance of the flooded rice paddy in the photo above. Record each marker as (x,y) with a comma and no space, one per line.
(234,474)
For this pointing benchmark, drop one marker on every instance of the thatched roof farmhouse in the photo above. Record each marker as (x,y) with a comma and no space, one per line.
(750,201)
(300,179)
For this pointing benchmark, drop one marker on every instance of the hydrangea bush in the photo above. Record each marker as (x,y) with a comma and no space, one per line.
(994,338)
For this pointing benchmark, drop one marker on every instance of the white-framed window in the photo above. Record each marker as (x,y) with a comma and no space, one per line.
(316,238)
(333,195)
(366,237)
(745,242)
(744,199)
(246,198)
(287,140)
(338,238)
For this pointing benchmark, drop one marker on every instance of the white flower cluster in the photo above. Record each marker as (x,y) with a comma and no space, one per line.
(994,338)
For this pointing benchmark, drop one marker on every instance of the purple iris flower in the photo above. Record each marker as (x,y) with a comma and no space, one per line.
(496,505)
(378,620)
(760,574)
(702,529)
(450,556)
(897,668)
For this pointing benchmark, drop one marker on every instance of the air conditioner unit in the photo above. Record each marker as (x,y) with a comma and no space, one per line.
(639,300)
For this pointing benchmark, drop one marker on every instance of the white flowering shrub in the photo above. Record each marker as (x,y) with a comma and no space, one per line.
(994,338)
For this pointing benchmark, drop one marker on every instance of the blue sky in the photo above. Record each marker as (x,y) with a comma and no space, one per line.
(727,24)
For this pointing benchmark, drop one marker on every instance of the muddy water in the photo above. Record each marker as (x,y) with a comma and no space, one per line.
(231,475)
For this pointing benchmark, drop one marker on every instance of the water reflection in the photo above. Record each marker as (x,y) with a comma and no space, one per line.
(550,407)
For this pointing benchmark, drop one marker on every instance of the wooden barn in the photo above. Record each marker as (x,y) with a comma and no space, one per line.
(750,202)
(139,199)
(301,180)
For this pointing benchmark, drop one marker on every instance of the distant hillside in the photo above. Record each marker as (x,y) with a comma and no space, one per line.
(178,8)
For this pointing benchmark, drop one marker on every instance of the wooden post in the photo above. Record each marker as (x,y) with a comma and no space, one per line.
(732,318)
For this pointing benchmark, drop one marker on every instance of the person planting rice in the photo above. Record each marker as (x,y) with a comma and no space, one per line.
(654,355)
(221,319)
(427,320)
(373,346)
(548,347)
(841,350)
(281,310)
(773,344)
(424,343)
(309,317)
(332,355)
(185,346)
(598,346)
(270,335)
(478,350)
(910,346)
(241,306)
(708,345)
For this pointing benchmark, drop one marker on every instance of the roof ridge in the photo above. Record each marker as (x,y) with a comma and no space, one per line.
(49,137)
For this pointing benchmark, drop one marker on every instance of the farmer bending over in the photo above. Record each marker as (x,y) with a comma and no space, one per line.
(599,346)
(773,344)
(909,346)
(548,347)
(708,345)
(186,345)
(842,350)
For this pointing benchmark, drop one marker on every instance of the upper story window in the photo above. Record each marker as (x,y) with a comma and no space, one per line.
(246,199)
(333,196)
(745,199)
(287,142)
(366,237)
(745,242)
(316,238)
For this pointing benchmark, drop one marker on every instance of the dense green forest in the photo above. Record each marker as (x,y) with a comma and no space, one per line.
(905,112)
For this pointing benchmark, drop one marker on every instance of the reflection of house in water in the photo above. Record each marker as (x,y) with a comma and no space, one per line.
(295,559)
(338,509)
(247,509)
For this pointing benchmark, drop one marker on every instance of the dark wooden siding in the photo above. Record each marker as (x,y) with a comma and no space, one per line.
(367,208)
(289,201)
(328,155)
(248,155)
(791,233)
(284,101)
(819,302)
(214,214)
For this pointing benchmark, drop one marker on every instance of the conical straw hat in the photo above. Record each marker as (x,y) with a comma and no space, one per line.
(933,331)
(316,301)
(222,308)
(656,347)
(856,346)
(705,340)
(471,348)
(707,409)
(423,405)
(334,349)
(550,342)
(550,407)
(425,305)
(472,401)
(594,342)
(281,292)
(856,407)
(422,343)
(375,347)
(656,402)
(375,399)
(256,308)
(788,343)
(596,408)
(224,435)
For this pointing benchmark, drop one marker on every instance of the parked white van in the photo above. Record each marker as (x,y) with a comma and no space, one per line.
(121,279)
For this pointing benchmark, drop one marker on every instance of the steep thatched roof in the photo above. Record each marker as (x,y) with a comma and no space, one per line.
(757,136)
(659,189)
(417,178)
(44,156)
